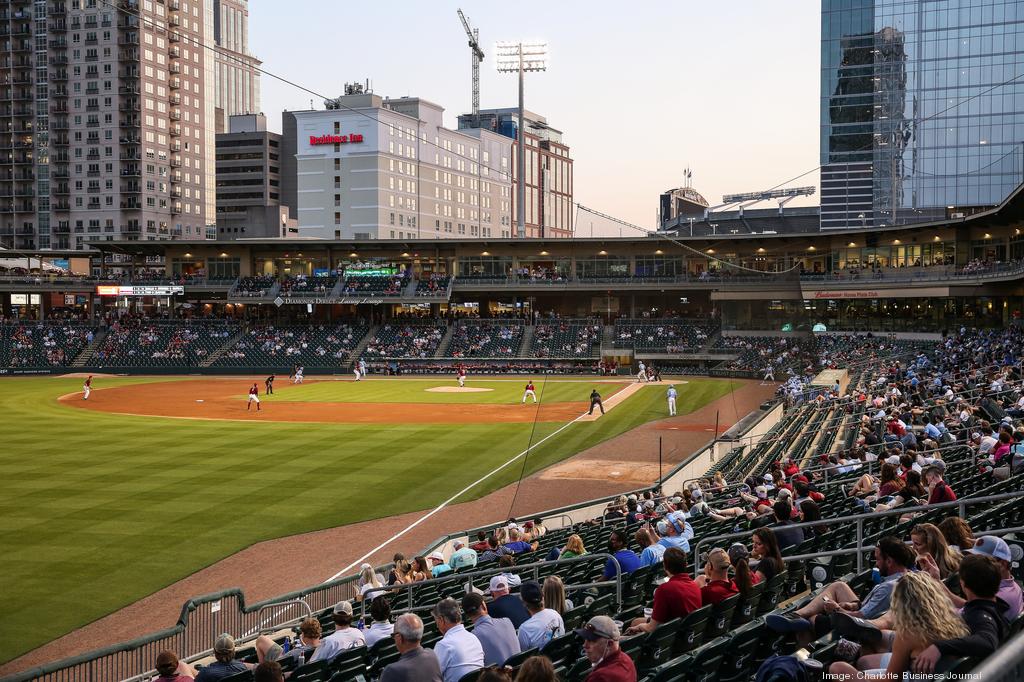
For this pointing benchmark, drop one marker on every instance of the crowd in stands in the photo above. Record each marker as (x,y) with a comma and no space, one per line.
(434,285)
(55,344)
(254,286)
(284,346)
(302,285)
(375,285)
(405,341)
(486,367)
(565,339)
(660,335)
(485,340)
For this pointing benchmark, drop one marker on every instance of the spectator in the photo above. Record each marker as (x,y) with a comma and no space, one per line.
(268,671)
(497,636)
(494,673)
(481,542)
(623,560)
(554,595)
(921,616)
(652,551)
(601,645)
(463,557)
(573,548)
(493,551)
(766,552)
(308,640)
(786,536)
(957,533)
(415,664)
(675,531)
(504,605)
(543,625)
(438,565)
(400,574)
(893,559)
(745,579)
(715,585)
(369,582)
(225,664)
(509,561)
(380,611)
(516,544)
(171,669)
(1009,591)
(983,611)
(458,652)
(938,490)
(420,569)
(537,669)
(810,512)
(926,538)
(344,636)
(675,598)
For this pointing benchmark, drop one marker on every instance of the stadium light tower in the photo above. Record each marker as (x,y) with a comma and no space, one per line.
(520,57)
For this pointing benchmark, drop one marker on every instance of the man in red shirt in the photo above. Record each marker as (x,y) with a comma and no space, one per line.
(674,598)
(938,490)
(601,644)
(715,584)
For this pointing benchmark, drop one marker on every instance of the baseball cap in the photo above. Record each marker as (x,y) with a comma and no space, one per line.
(649,504)
(225,643)
(894,459)
(992,546)
(343,607)
(599,627)
(498,583)
(738,551)
(761,491)
(662,527)
(719,559)
(458,544)
(436,556)
(531,592)
(767,478)
(697,493)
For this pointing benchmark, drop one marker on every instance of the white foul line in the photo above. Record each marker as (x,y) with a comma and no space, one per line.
(449,501)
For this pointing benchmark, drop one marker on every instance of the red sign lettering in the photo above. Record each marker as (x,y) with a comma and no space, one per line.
(335,139)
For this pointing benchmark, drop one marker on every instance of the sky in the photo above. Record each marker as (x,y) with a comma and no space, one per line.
(729,89)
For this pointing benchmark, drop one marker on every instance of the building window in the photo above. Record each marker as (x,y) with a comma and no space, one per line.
(337,218)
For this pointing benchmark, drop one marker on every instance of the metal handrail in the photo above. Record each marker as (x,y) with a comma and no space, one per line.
(263,629)
(1005,664)
(859,520)
(498,570)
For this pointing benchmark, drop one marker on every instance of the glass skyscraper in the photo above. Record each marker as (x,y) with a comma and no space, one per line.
(922,108)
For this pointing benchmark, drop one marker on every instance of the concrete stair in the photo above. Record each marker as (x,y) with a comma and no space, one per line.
(607,339)
(446,341)
(228,345)
(83,358)
(526,348)
(361,346)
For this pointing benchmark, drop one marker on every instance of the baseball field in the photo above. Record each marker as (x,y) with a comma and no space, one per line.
(105,501)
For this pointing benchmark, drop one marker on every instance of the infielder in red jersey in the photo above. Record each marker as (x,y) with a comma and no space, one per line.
(462,376)
(87,388)
(254,397)
(529,393)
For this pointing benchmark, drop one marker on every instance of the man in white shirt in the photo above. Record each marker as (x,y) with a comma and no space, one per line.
(672,394)
(344,636)
(382,627)
(543,624)
(458,652)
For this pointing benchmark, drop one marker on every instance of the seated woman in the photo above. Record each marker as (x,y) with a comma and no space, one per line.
(927,539)
(921,615)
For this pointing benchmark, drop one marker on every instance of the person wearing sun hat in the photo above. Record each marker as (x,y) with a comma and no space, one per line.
(601,644)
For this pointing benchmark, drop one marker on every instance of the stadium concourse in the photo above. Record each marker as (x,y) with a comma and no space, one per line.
(869,526)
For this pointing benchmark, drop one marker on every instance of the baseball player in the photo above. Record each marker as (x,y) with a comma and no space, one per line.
(355,370)
(672,395)
(298,374)
(462,377)
(87,388)
(595,399)
(362,368)
(254,397)
(529,393)
(769,373)
(641,375)
(270,385)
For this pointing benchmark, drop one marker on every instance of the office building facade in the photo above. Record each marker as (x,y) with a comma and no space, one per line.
(550,211)
(249,182)
(376,168)
(918,119)
(106,122)
(237,76)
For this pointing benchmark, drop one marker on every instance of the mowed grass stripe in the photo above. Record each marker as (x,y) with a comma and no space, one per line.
(100,510)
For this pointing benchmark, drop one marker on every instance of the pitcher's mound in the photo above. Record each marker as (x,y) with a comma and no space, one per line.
(456,389)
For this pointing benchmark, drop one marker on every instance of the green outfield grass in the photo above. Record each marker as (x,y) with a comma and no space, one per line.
(505,391)
(100,510)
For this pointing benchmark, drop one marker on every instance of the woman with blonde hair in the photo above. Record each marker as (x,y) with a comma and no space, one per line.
(370,582)
(573,548)
(400,573)
(928,539)
(554,595)
(921,615)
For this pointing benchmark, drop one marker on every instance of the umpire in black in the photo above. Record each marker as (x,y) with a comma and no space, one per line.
(595,399)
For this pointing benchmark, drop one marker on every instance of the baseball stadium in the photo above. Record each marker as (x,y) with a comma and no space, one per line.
(229,451)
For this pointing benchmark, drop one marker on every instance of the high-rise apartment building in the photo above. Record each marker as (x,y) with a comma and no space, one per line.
(374,168)
(549,204)
(919,117)
(106,114)
(249,182)
(237,76)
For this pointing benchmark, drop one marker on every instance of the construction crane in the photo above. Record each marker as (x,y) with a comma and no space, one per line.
(474,44)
